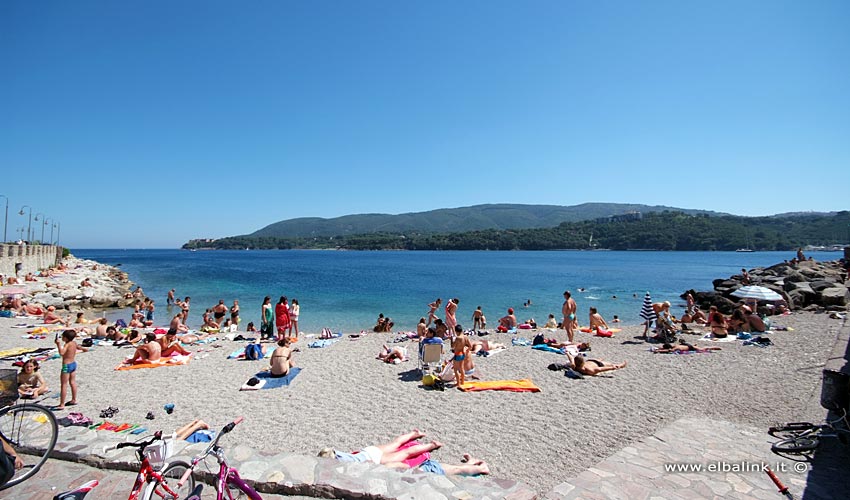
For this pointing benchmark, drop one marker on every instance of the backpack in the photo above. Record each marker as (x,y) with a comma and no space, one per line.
(253,352)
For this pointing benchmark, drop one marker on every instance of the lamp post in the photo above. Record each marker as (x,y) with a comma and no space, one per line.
(37,219)
(58,228)
(6,220)
(29,225)
(51,231)
(44,223)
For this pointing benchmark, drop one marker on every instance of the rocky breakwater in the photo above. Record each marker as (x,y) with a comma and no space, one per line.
(109,286)
(808,285)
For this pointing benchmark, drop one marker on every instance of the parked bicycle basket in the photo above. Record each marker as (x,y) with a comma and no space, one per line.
(159,452)
(8,386)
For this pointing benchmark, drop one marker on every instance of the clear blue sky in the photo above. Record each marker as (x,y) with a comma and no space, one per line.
(145,124)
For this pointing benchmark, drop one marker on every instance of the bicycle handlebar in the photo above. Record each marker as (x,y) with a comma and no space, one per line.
(140,444)
(224,430)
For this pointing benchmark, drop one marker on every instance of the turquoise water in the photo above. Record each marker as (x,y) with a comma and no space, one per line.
(347,290)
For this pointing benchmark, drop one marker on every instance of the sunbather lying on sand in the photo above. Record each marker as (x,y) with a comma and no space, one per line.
(668,348)
(190,428)
(593,367)
(400,454)
(394,355)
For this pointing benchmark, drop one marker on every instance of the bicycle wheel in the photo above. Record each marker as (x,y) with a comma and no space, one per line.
(170,477)
(31,430)
(796,444)
(792,430)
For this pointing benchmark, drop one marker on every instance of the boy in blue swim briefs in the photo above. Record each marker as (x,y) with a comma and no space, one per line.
(68,376)
(461,346)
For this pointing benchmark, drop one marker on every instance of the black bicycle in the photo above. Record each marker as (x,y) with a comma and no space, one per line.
(31,429)
(798,438)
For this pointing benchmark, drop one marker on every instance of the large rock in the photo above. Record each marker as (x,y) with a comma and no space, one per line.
(48,299)
(835,296)
(822,284)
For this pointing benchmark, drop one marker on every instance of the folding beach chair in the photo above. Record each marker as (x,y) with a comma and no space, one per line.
(430,356)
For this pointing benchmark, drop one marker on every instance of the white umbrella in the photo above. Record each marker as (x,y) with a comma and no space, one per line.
(756,292)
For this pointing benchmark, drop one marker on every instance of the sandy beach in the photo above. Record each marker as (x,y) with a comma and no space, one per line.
(347,399)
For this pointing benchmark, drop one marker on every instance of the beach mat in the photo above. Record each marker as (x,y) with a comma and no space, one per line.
(523,385)
(318,344)
(172,361)
(269,382)
(710,338)
(544,347)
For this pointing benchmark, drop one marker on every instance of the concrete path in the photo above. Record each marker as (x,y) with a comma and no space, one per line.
(699,458)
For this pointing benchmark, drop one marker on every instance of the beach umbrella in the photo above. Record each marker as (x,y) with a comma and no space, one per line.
(647,312)
(756,292)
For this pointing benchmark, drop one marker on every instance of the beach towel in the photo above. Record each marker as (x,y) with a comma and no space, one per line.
(13,353)
(524,385)
(171,361)
(240,353)
(266,381)
(318,344)
(522,341)
(709,337)
(544,347)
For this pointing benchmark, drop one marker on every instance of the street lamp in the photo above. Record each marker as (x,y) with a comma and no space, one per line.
(44,223)
(29,225)
(51,232)
(6,220)
(37,219)
(58,228)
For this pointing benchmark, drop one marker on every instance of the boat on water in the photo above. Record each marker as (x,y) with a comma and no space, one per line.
(745,250)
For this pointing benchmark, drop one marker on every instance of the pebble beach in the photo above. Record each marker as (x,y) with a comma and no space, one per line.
(346,399)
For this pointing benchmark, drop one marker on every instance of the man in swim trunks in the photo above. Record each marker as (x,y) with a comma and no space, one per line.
(169,301)
(569,312)
(593,367)
(461,346)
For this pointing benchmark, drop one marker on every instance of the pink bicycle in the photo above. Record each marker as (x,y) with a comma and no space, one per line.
(228,477)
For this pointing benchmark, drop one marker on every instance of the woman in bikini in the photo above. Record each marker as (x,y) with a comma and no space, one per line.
(281,361)
(432,310)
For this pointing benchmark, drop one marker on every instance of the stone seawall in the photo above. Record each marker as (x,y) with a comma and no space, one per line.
(31,258)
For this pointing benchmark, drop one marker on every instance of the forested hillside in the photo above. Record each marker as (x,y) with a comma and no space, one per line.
(653,231)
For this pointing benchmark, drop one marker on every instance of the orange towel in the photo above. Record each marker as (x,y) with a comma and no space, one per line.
(172,361)
(524,385)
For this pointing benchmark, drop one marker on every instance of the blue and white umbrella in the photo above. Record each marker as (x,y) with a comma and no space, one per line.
(756,292)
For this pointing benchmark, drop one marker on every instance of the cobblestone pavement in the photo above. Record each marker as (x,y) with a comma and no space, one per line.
(58,475)
(715,459)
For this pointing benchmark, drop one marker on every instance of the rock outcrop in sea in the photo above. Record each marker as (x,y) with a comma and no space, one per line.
(808,285)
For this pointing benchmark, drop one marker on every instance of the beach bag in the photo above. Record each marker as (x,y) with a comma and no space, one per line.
(253,352)
(538,339)
(429,379)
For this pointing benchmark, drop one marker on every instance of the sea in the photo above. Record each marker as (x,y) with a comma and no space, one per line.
(347,290)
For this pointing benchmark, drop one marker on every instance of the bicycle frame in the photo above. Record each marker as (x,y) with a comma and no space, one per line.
(228,476)
(146,475)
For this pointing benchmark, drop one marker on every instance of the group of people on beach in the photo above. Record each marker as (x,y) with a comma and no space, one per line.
(281,318)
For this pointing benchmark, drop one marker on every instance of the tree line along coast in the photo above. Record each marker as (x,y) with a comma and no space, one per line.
(669,230)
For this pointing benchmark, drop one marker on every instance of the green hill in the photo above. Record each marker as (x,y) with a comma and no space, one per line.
(452,220)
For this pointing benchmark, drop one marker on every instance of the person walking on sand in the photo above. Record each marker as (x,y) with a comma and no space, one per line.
(282,318)
(266,319)
(294,311)
(451,311)
(432,310)
(569,312)
(68,375)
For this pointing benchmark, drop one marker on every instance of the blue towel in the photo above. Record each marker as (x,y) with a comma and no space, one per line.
(275,382)
(544,347)
(322,343)
(521,341)
(201,436)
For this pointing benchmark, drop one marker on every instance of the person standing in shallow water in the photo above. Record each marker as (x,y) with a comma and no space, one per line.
(432,310)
